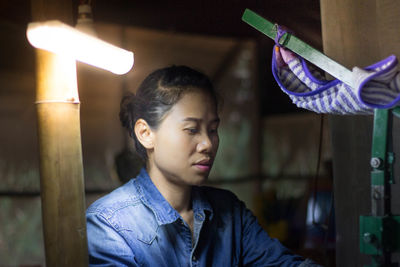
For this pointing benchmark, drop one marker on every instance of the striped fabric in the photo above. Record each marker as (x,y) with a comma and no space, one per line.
(377,86)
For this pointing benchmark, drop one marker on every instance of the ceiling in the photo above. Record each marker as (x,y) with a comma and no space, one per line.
(217,18)
(210,17)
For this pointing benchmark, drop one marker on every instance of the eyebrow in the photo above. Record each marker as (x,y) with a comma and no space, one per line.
(199,120)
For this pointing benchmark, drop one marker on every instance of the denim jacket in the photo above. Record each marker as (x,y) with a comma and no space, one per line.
(135,226)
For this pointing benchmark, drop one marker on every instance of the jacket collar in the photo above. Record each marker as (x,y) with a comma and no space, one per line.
(162,210)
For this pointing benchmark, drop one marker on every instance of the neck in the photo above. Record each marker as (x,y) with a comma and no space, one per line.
(177,195)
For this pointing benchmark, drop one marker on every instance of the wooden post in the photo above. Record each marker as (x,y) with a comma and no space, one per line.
(61,169)
(356,33)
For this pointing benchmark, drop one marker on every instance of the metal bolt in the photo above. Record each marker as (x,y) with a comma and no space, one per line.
(375,162)
(376,195)
(368,238)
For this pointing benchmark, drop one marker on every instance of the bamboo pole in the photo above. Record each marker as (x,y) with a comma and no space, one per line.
(61,169)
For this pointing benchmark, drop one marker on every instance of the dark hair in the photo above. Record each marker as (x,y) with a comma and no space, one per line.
(157,94)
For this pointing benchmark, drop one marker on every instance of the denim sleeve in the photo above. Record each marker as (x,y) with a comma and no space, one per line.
(105,245)
(259,249)
(309,263)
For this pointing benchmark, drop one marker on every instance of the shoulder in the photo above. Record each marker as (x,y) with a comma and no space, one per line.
(122,197)
(124,211)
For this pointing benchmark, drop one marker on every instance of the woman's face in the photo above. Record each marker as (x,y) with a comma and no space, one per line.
(186,141)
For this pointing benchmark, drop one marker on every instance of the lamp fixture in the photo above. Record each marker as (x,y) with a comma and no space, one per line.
(60,38)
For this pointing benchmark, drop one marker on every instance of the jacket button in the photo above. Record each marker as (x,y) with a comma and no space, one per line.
(199,216)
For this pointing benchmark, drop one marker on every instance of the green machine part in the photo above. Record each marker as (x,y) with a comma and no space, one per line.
(379,154)
(379,237)
(379,234)
(380,231)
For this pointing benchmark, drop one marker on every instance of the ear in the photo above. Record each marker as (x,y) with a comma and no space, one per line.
(144,134)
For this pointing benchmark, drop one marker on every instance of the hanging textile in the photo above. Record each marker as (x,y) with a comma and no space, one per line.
(376,86)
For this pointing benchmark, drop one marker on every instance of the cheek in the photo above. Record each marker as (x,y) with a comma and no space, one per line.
(173,144)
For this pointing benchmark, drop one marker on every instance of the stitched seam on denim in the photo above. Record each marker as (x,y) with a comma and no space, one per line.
(109,212)
(145,202)
(141,239)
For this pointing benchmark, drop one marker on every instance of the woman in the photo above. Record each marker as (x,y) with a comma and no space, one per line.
(163,217)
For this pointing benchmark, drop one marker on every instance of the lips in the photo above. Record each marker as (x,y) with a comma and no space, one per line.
(203,165)
(204,162)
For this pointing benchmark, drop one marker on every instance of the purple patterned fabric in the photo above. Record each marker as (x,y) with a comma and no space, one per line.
(377,86)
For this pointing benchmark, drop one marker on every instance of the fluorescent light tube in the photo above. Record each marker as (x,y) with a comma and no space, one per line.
(60,38)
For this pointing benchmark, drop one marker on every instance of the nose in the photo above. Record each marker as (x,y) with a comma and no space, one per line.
(204,145)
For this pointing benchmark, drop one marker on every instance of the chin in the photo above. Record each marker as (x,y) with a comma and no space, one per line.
(199,180)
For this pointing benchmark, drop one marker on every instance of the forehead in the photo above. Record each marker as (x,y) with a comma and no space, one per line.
(196,104)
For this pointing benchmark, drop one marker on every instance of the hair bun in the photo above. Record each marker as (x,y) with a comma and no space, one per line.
(127,111)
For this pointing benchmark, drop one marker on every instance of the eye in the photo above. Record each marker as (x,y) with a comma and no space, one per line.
(192,130)
(213,128)
(213,131)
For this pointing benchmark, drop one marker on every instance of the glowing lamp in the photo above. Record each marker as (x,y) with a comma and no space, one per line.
(59,38)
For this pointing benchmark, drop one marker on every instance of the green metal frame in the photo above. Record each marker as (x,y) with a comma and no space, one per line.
(380,231)
(379,147)
(299,47)
(379,235)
